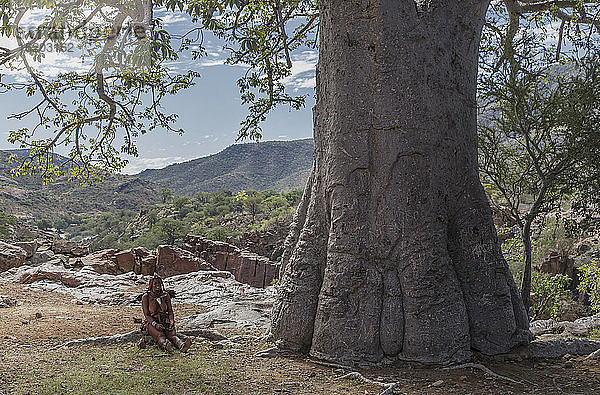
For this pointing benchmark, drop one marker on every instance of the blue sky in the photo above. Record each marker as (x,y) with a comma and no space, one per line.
(209,112)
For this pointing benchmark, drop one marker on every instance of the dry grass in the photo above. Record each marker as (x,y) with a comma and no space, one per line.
(30,364)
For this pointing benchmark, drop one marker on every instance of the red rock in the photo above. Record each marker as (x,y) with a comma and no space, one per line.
(125,261)
(102,262)
(29,246)
(11,256)
(69,248)
(148,266)
(172,261)
(247,267)
(54,273)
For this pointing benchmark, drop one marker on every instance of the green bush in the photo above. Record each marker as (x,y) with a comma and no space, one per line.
(589,283)
(218,233)
(214,215)
(512,249)
(549,291)
(5,225)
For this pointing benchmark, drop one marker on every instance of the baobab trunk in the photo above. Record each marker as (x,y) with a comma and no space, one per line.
(393,252)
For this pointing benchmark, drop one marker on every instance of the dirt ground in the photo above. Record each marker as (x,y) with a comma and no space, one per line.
(46,319)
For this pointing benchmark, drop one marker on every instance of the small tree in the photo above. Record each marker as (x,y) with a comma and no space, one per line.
(589,278)
(549,290)
(251,202)
(152,217)
(166,194)
(540,140)
(5,225)
(171,230)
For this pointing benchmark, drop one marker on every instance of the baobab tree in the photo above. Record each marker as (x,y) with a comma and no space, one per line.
(393,253)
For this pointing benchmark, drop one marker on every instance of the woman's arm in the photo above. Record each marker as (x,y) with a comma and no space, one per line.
(146,309)
(170,311)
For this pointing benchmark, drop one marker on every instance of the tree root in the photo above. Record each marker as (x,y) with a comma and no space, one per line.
(389,387)
(274,352)
(330,364)
(134,336)
(593,356)
(483,369)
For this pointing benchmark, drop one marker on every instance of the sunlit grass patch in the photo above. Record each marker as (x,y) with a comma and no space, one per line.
(122,369)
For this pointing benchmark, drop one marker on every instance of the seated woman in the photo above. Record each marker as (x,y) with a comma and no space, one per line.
(160,321)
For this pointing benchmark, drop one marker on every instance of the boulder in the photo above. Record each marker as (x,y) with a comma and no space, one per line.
(11,256)
(557,348)
(102,262)
(148,266)
(145,261)
(51,271)
(247,267)
(172,261)
(579,327)
(7,301)
(554,263)
(84,285)
(29,246)
(69,248)
(41,256)
(125,261)
(240,314)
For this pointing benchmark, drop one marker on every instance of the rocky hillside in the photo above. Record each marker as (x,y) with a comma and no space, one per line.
(26,197)
(277,165)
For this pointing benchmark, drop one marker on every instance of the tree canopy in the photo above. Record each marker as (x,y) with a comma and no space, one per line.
(99,114)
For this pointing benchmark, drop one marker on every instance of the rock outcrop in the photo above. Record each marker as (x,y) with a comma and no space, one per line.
(172,261)
(7,301)
(268,244)
(554,263)
(11,256)
(41,256)
(199,254)
(69,248)
(557,348)
(230,303)
(247,267)
(102,262)
(580,327)
(30,247)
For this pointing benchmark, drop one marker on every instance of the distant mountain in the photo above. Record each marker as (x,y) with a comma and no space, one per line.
(276,165)
(27,197)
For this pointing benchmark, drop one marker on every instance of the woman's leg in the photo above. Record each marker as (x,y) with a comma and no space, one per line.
(181,345)
(160,338)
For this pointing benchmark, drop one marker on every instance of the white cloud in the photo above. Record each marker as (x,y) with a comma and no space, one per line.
(137,165)
(171,18)
(212,62)
(303,70)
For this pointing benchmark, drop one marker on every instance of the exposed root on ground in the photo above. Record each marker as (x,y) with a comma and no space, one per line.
(483,369)
(331,364)
(134,336)
(389,387)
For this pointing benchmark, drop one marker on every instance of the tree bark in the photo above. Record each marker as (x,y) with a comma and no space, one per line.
(393,253)
(526,280)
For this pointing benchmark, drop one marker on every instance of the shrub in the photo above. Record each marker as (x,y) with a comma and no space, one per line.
(512,249)
(548,291)
(5,225)
(589,283)
(218,233)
